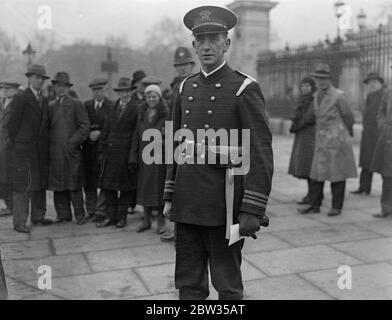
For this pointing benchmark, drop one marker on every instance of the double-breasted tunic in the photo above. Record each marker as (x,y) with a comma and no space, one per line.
(303,126)
(27,128)
(115,146)
(370,131)
(69,129)
(333,156)
(226,100)
(382,157)
(97,119)
(151,176)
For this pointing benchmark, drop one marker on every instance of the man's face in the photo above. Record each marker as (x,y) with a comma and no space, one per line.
(10,92)
(124,95)
(374,85)
(323,83)
(61,89)
(139,86)
(185,69)
(210,49)
(99,93)
(36,82)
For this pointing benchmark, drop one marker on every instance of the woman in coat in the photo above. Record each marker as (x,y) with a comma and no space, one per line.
(118,179)
(151,177)
(382,159)
(333,158)
(303,126)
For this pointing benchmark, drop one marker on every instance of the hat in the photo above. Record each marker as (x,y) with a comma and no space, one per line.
(138,75)
(98,83)
(37,70)
(210,19)
(63,78)
(373,76)
(322,71)
(151,80)
(10,84)
(153,88)
(124,84)
(182,56)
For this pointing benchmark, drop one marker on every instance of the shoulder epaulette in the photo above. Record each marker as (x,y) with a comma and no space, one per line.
(247,81)
(181,87)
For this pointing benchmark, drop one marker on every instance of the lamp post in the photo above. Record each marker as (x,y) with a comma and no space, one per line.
(109,67)
(361,20)
(30,53)
(338,4)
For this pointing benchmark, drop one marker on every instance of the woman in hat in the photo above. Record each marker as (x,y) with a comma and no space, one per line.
(151,177)
(303,126)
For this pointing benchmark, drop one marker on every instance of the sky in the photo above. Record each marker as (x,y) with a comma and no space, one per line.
(292,21)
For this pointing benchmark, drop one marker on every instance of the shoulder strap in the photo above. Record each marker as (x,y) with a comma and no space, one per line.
(181,87)
(247,81)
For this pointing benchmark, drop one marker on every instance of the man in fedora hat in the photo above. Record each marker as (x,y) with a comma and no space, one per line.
(371,132)
(118,180)
(11,89)
(69,129)
(138,87)
(98,109)
(28,140)
(215,98)
(333,158)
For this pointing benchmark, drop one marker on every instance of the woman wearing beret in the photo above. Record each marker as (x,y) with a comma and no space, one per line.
(151,177)
(303,126)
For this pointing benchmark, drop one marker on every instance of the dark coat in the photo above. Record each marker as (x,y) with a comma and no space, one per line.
(115,145)
(3,285)
(151,177)
(69,129)
(225,100)
(5,154)
(382,158)
(90,148)
(28,127)
(370,131)
(303,126)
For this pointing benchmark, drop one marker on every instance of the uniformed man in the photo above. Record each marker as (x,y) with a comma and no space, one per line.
(216,98)
(184,64)
(98,110)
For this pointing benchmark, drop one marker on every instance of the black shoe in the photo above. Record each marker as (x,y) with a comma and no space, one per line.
(360,191)
(381,215)
(60,220)
(90,217)
(105,223)
(121,224)
(43,222)
(305,200)
(334,212)
(22,229)
(310,209)
(98,218)
(81,221)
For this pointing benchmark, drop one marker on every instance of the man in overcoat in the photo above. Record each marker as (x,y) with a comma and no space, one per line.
(3,285)
(98,110)
(216,98)
(370,131)
(118,180)
(28,141)
(69,129)
(382,158)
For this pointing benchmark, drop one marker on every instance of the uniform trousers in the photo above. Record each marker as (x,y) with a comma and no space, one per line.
(337,188)
(198,247)
(22,202)
(365,180)
(95,201)
(117,203)
(386,196)
(62,204)
(3,286)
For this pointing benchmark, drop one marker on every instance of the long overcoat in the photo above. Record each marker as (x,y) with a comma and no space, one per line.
(115,146)
(151,177)
(90,148)
(303,126)
(5,164)
(27,128)
(370,131)
(333,157)
(69,129)
(382,158)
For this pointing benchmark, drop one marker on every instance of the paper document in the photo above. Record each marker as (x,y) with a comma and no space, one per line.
(235,234)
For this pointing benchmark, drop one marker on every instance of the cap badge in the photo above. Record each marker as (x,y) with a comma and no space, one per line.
(205,15)
(181,54)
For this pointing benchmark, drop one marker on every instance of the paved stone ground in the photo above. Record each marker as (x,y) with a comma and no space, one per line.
(297,257)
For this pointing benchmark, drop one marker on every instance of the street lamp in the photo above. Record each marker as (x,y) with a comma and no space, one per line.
(361,19)
(30,53)
(338,4)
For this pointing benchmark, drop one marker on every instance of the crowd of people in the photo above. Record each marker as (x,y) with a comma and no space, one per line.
(322,123)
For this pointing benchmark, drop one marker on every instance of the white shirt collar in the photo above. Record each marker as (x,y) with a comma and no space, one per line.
(36,93)
(213,71)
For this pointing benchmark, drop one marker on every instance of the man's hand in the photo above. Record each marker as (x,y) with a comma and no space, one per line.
(132,167)
(167,209)
(249,225)
(94,135)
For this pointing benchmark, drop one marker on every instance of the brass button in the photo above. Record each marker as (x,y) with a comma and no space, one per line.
(213,98)
(191,98)
(210,112)
(187,112)
(218,85)
(206,126)
(195,85)
(185,126)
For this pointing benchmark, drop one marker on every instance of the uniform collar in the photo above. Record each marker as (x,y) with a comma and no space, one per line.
(206,75)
